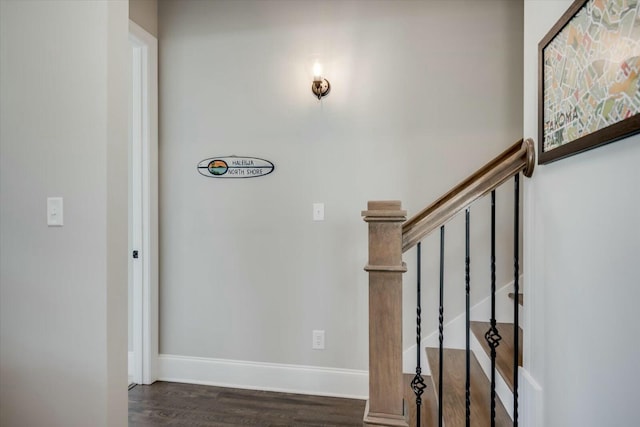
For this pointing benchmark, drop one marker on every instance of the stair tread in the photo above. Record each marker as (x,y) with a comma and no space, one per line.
(453,399)
(429,407)
(504,351)
(520,297)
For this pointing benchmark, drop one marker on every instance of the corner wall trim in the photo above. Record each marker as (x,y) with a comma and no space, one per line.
(130,363)
(532,400)
(300,379)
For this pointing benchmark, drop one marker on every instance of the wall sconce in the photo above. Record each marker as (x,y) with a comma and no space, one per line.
(320,87)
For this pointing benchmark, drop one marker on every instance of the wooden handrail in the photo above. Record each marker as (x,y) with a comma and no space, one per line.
(519,157)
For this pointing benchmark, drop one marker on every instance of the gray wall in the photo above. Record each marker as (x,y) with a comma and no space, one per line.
(423,93)
(63,77)
(582,241)
(145,14)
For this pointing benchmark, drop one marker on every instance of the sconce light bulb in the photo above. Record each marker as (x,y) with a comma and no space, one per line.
(320,86)
(317,71)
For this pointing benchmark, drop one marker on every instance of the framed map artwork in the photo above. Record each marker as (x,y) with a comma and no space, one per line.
(589,85)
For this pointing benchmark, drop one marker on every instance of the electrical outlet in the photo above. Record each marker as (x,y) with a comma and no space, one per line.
(318,340)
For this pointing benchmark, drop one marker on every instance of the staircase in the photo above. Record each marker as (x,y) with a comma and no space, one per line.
(470,384)
(453,397)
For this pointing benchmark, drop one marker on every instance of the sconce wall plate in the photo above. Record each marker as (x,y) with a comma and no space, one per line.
(321,88)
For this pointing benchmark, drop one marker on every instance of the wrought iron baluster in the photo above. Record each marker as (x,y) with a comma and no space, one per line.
(492,336)
(516,285)
(441,326)
(468,321)
(417,384)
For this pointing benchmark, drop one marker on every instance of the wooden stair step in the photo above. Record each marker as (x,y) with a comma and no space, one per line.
(429,407)
(520,297)
(504,351)
(453,399)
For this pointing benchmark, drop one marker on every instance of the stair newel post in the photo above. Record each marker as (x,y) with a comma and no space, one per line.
(385,406)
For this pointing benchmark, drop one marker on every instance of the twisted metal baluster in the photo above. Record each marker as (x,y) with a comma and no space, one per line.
(468,321)
(492,336)
(441,326)
(516,285)
(417,384)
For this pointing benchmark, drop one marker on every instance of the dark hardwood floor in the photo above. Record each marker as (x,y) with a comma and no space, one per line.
(174,404)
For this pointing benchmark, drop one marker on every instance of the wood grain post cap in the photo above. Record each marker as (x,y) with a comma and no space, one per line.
(385,211)
(384,205)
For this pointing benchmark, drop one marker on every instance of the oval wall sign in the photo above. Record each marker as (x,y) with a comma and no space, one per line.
(235,167)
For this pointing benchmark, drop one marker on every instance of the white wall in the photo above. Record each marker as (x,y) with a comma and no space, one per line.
(582,241)
(63,74)
(423,93)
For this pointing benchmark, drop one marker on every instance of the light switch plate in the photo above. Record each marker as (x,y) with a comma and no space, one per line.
(318,211)
(55,213)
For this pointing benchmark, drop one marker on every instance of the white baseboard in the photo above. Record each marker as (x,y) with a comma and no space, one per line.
(313,380)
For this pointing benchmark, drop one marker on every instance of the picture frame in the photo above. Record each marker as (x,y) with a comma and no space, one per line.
(588,84)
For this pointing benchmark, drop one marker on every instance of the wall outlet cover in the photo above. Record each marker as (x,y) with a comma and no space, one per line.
(318,340)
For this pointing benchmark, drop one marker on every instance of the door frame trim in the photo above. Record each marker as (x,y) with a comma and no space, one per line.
(145,303)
